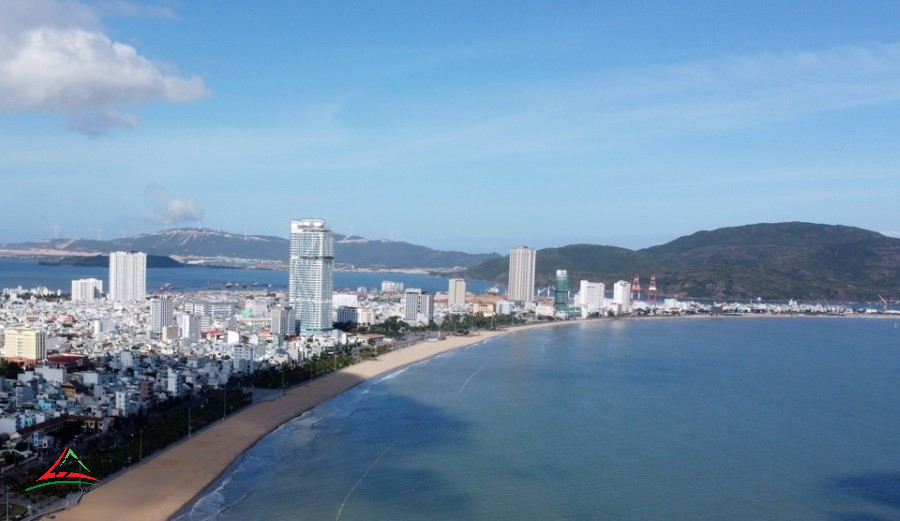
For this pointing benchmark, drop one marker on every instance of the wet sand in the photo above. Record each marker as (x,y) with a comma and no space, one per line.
(163,485)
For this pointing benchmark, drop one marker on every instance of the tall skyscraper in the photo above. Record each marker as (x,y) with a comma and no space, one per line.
(162,314)
(86,290)
(127,276)
(521,274)
(311,277)
(456,296)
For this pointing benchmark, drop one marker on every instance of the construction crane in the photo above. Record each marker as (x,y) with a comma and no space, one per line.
(884,302)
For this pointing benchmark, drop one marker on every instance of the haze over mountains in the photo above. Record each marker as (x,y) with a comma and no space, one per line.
(768,261)
(206,243)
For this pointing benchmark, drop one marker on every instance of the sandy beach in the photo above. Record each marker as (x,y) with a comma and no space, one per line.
(161,486)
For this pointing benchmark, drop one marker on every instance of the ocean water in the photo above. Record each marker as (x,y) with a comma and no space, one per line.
(715,418)
(30,274)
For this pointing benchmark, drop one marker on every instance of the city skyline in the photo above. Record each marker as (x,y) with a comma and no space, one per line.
(585,123)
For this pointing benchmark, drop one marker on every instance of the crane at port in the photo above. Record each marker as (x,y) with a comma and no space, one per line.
(884,302)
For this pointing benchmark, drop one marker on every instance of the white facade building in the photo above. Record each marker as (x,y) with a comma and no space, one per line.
(162,314)
(418,306)
(590,296)
(350,300)
(622,296)
(311,275)
(284,321)
(456,296)
(25,344)
(189,326)
(86,290)
(521,274)
(127,276)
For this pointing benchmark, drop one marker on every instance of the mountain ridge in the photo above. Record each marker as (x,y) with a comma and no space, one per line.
(207,243)
(766,261)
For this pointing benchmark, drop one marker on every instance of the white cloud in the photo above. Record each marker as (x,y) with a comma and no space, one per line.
(55,57)
(170,211)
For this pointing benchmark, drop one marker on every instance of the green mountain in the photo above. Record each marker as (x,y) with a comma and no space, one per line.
(768,261)
(194,242)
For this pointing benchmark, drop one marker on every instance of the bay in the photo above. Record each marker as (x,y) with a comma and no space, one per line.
(713,418)
(29,274)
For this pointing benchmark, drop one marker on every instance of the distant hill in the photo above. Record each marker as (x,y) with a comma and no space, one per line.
(769,261)
(195,242)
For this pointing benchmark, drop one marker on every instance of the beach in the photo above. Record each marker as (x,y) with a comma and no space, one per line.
(161,486)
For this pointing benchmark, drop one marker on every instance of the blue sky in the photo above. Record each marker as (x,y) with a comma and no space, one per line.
(472,126)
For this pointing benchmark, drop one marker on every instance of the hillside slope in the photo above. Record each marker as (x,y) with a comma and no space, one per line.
(768,261)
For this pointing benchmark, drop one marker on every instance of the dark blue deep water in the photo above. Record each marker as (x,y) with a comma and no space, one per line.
(735,418)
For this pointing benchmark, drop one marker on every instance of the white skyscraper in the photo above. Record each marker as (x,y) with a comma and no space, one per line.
(162,314)
(311,278)
(456,295)
(127,276)
(86,290)
(521,274)
(622,295)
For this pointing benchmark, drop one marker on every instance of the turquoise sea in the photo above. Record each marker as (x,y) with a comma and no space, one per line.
(712,418)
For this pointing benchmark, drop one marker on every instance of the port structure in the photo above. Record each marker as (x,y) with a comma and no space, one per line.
(636,288)
(652,292)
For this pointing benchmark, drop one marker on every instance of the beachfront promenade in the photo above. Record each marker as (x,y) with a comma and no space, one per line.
(163,485)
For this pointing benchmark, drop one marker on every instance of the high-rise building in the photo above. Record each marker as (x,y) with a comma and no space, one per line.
(127,276)
(456,296)
(26,345)
(311,277)
(418,306)
(590,295)
(284,322)
(622,296)
(521,274)
(162,314)
(86,290)
(561,295)
(189,325)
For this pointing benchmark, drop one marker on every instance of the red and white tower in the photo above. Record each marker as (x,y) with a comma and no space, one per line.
(652,291)
(636,288)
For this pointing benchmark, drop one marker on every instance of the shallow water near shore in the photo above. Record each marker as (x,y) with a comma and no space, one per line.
(620,419)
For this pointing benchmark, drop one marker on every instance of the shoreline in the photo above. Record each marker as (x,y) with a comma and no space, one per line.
(170,482)
(174,479)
